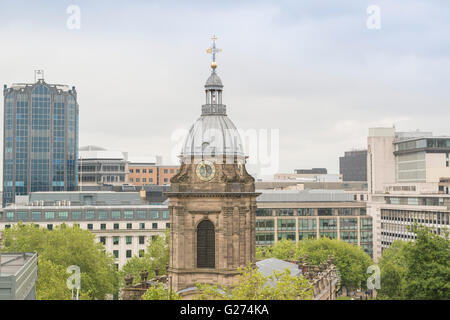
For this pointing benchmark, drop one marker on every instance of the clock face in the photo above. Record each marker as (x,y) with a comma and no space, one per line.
(205,170)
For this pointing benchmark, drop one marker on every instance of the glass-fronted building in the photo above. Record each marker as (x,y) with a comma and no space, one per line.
(40,146)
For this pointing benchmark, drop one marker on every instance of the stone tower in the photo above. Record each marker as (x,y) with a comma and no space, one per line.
(212,200)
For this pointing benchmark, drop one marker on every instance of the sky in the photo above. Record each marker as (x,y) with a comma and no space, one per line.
(312,73)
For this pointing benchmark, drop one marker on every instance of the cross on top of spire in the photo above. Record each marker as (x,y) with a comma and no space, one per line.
(213,50)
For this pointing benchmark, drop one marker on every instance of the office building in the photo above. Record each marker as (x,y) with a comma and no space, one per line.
(298,215)
(408,180)
(40,139)
(353,165)
(119,220)
(98,166)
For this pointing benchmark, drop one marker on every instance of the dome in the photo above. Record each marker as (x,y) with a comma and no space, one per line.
(213,135)
(213,81)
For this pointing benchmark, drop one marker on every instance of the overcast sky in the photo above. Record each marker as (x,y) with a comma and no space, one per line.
(311,69)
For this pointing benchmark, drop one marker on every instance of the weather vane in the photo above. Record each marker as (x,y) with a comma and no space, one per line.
(213,50)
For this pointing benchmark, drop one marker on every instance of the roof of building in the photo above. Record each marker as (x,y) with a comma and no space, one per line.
(268,266)
(213,81)
(315,195)
(11,263)
(95,152)
(88,197)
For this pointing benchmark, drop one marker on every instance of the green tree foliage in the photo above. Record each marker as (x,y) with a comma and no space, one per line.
(350,260)
(252,285)
(159,292)
(416,270)
(156,256)
(60,248)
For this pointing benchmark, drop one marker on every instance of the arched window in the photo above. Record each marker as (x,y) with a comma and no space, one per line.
(205,245)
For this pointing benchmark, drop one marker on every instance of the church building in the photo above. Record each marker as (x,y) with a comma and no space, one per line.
(212,200)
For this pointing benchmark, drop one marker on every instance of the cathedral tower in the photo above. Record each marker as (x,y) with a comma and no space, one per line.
(212,200)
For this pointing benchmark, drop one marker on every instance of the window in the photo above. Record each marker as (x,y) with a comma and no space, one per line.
(129,239)
(366,224)
(128,253)
(131,179)
(103,240)
(144,170)
(154,214)
(166,180)
(167,225)
(115,240)
(264,238)
(141,239)
(284,212)
(263,212)
(306,235)
(141,253)
(138,179)
(144,180)
(306,224)
(128,214)
(329,224)
(305,212)
(325,212)
(286,236)
(262,225)
(141,215)
(34,215)
(102,215)
(154,226)
(166,214)
(129,226)
(22,216)
(103,226)
(76,215)
(116,254)
(89,226)
(49,216)
(116,226)
(115,215)
(349,223)
(205,245)
(346,211)
(150,180)
(284,224)
(131,170)
(89,215)
(50,227)
(138,170)
(349,236)
(331,235)
(10,215)
(63,215)
(142,226)
(165,170)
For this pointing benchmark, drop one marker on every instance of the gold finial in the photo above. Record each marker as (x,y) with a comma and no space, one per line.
(213,50)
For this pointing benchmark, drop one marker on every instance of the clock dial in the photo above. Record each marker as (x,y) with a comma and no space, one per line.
(205,170)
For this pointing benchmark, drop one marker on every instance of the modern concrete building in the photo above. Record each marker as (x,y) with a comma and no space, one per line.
(18,276)
(119,220)
(408,175)
(40,139)
(353,165)
(299,215)
(98,166)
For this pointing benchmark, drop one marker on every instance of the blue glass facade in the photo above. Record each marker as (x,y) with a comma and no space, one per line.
(40,139)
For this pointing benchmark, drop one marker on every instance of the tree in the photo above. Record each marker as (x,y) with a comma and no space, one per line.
(60,248)
(252,285)
(417,270)
(393,272)
(350,260)
(156,257)
(159,292)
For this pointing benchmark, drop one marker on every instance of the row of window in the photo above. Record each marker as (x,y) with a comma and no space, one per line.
(310,224)
(151,170)
(85,215)
(103,226)
(311,212)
